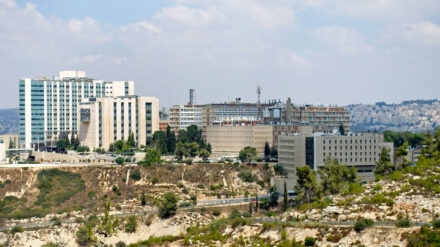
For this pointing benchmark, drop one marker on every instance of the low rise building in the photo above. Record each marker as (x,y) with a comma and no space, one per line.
(104,121)
(232,138)
(183,116)
(163,124)
(11,141)
(361,150)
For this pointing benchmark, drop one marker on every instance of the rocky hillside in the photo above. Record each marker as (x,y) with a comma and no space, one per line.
(8,121)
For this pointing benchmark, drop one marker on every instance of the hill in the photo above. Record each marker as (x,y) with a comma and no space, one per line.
(410,115)
(9,121)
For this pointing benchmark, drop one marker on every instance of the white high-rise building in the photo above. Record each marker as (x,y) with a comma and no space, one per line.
(49,107)
(104,121)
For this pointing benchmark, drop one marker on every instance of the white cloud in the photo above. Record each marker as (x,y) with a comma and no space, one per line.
(191,17)
(298,60)
(423,32)
(347,40)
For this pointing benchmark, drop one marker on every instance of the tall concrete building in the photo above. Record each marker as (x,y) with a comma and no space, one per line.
(49,107)
(10,140)
(361,150)
(104,121)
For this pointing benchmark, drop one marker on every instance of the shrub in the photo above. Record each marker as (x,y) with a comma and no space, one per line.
(309,241)
(216,212)
(154,180)
(85,236)
(91,194)
(131,224)
(120,244)
(403,223)
(246,175)
(119,160)
(17,229)
(201,186)
(168,206)
(436,224)
(362,224)
(135,175)
(279,170)
(424,237)
(50,244)
(8,181)
(377,187)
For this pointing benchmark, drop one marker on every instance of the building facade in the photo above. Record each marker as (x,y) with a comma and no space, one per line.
(48,108)
(182,116)
(313,149)
(12,141)
(232,139)
(104,121)
(327,118)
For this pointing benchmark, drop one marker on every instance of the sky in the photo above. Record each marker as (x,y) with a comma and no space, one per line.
(314,51)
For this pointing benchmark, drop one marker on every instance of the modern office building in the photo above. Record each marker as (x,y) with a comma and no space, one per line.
(104,121)
(10,141)
(361,150)
(49,107)
(233,138)
(182,116)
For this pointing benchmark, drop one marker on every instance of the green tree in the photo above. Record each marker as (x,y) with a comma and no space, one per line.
(170,140)
(119,145)
(168,205)
(204,154)
(342,130)
(274,196)
(384,166)
(11,143)
(74,144)
(194,134)
(182,137)
(400,160)
(130,141)
(109,223)
(336,178)
(126,148)
(247,154)
(82,149)
(181,151)
(152,156)
(266,150)
(274,152)
(209,148)
(192,148)
(160,141)
(285,197)
(119,160)
(85,236)
(63,143)
(143,199)
(306,185)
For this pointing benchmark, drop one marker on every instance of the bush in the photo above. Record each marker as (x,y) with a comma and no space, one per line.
(279,170)
(120,244)
(377,187)
(362,224)
(403,223)
(436,224)
(168,206)
(154,180)
(135,175)
(309,241)
(201,186)
(50,244)
(17,229)
(246,175)
(131,224)
(85,236)
(216,212)
(424,237)
(119,160)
